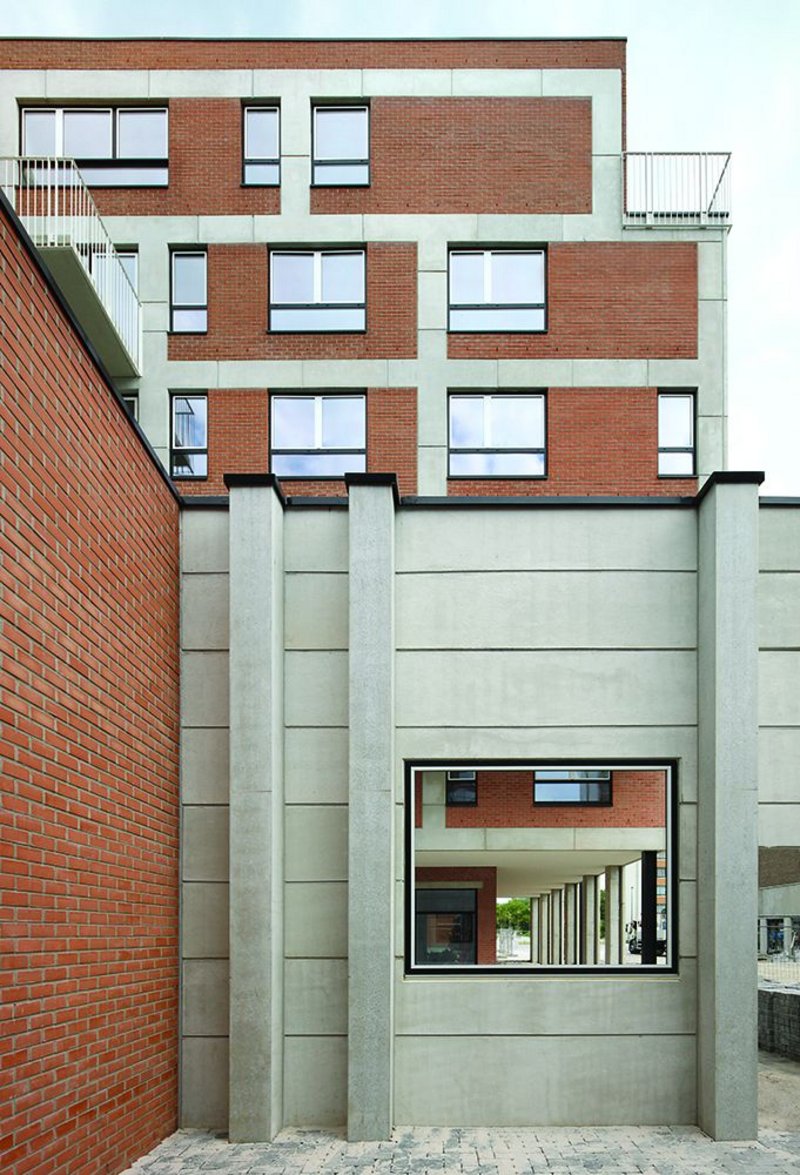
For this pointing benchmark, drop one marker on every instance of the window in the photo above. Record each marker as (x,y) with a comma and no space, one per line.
(676,434)
(497,435)
(572,787)
(189,448)
(497,290)
(462,788)
(121,146)
(261,153)
(445,926)
(131,402)
(189,294)
(340,145)
(318,436)
(322,290)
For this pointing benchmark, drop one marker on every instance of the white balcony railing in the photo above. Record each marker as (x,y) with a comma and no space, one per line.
(58,212)
(664,189)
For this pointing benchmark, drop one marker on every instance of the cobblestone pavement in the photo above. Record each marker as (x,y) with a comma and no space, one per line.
(564,1150)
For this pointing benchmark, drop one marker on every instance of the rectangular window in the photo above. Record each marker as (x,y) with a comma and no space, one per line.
(497,290)
(676,434)
(115,147)
(461,789)
(340,152)
(497,435)
(445,926)
(131,402)
(189,292)
(318,436)
(572,787)
(261,153)
(319,290)
(189,446)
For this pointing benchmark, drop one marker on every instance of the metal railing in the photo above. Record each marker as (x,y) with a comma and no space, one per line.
(661,188)
(54,204)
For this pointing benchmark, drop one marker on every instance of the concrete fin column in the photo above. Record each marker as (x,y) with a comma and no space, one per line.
(256,808)
(589,919)
(727,866)
(544,928)
(556,926)
(373,770)
(614,927)
(571,923)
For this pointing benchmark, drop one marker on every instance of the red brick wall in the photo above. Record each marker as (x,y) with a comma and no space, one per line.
(88,742)
(238,441)
(606,300)
(499,155)
(505,800)
(599,441)
(487,903)
(237,311)
(205,168)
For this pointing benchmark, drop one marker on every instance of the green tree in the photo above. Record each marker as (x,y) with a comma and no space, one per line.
(515,915)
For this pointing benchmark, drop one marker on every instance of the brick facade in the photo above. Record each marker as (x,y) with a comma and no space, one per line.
(89,812)
(486,879)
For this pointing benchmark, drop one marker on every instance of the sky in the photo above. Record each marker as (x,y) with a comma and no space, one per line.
(703,75)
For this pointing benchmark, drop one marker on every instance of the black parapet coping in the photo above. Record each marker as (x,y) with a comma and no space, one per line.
(374,479)
(204,502)
(779,502)
(238,481)
(753,477)
(78,330)
(312,40)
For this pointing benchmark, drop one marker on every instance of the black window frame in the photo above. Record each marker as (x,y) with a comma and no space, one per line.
(601,777)
(114,161)
(456,779)
(447,898)
(331,104)
(318,395)
(186,450)
(527,248)
(255,160)
(186,251)
(501,393)
(314,251)
(677,393)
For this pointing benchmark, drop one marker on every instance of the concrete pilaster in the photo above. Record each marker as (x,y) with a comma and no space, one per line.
(614,926)
(544,928)
(570,923)
(371,806)
(256,809)
(556,926)
(727,867)
(588,952)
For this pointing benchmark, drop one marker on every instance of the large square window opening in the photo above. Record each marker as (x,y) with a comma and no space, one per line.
(261,148)
(676,445)
(322,436)
(320,290)
(497,435)
(340,146)
(541,867)
(189,292)
(121,146)
(497,290)
(189,447)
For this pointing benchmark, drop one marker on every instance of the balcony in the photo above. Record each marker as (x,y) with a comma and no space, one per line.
(61,218)
(676,191)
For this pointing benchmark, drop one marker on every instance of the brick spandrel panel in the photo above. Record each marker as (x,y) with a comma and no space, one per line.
(205,168)
(505,800)
(606,300)
(599,441)
(88,750)
(238,284)
(462,155)
(17,53)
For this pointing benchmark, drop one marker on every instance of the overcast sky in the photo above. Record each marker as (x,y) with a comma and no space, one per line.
(703,75)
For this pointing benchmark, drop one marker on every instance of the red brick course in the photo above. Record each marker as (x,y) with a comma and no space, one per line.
(493,155)
(606,300)
(487,902)
(88,751)
(599,441)
(238,283)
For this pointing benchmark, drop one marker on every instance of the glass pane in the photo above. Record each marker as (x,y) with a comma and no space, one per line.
(445,938)
(190,465)
(466,422)
(343,277)
(466,278)
(125,177)
(292,277)
(461,793)
(130,264)
(341,174)
(261,173)
(261,134)
(317,464)
(676,464)
(141,134)
(187,321)
(189,422)
(504,319)
(293,422)
(39,132)
(343,422)
(497,464)
(87,134)
(340,133)
(571,793)
(517,277)
(516,422)
(314,319)
(560,773)
(188,279)
(675,421)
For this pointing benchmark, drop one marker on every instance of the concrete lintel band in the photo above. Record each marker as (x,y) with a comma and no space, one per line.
(256,814)
(371,810)
(727,809)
